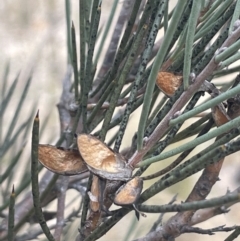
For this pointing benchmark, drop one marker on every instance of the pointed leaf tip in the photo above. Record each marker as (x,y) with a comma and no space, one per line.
(37,115)
(13,191)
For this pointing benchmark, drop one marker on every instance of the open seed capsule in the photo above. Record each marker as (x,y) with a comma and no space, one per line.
(130,192)
(168,83)
(101,160)
(61,161)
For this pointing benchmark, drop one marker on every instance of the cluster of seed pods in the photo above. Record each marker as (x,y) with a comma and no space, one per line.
(98,158)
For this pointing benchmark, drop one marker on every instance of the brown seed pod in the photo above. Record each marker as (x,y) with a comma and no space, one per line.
(168,83)
(61,161)
(220,115)
(101,160)
(130,192)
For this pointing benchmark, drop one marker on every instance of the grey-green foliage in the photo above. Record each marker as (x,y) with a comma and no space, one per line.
(199,40)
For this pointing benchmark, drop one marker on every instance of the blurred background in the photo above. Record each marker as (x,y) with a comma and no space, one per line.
(33,39)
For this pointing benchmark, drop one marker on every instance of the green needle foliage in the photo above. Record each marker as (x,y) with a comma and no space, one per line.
(143,81)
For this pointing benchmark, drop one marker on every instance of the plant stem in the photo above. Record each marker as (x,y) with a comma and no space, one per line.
(35,187)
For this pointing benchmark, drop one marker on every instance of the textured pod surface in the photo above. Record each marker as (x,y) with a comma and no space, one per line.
(101,160)
(61,161)
(168,83)
(130,192)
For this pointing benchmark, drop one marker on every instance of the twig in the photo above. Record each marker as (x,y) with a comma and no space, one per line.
(194,205)
(35,187)
(189,229)
(65,100)
(62,189)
